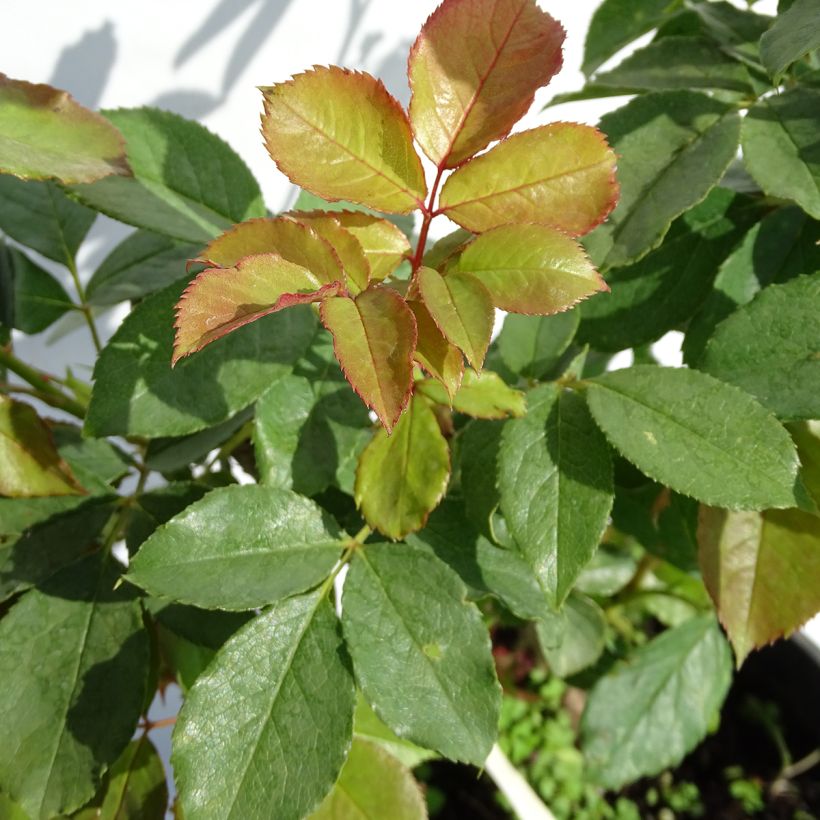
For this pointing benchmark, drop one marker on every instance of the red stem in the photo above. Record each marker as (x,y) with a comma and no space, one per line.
(428,213)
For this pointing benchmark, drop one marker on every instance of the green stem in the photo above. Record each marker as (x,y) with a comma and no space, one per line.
(42,384)
(352,545)
(239,437)
(84,306)
(123,515)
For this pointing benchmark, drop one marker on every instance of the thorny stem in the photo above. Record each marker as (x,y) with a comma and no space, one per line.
(42,384)
(84,306)
(428,214)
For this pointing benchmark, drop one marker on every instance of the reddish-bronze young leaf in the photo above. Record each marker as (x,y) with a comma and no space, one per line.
(561,175)
(474,70)
(442,360)
(374,337)
(46,134)
(293,241)
(384,244)
(220,300)
(762,571)
(531,269)
(29,462)
(340,135)
(346,246)
(462,309)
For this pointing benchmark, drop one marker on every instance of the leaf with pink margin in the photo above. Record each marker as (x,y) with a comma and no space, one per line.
(384,245)
(441,359)
(531,269)
(474,70)
(293,241)
(374,338)
(341,135)
(46,134)
(561,175)
(220,300)
(462,309)
(344,243)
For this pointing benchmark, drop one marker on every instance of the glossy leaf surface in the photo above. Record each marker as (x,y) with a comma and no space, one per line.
(187,182)
(340,135)
(373,785)
(762,571)
(462,309)
(531,269)
(474,70)
(137,393)
(383,243)
(583,634)
(101,663)
(771,348)
(689,431)
(401,477)
(29,463)
(46,134)
(409,629)
(779,146)
(374,336)
(265,730)
(221,300)
(555,480)
(238,548)
(441,359)
(561,175)
(645,715)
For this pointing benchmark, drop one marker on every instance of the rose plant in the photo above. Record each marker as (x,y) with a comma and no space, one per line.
(328,620)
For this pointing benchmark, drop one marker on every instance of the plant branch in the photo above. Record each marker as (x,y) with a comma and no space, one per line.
(427,218)
(84,306)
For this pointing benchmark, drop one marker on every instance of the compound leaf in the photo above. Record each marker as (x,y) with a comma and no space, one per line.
(441,359)
(794,33)
(384,245)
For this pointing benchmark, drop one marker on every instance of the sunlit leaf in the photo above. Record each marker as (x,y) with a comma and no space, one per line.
(530,269)
(561,175)
(474,70)
(384,244)
(481,395)
(220,300)
(374,336)
(46,134)
(462,309)
(340,135)
(441,359)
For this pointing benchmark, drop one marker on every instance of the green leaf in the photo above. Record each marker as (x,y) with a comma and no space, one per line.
(137,393)
(779,146)
(771,348)
(268,725)
(46,134)
(374,336)
(96,463)
(187,183)
(70,705)
(462,309)
(531,346)
(473,72)
(806,436)
(409,629)
(367,727)
(678,62)
(561,174)
(659,292)
(481,395)
(142,263)
(204,627)
(308,436)
(136,787)
(29,463)
(485,568)
(784,244)
(240,547)
(531,269)
(373,785)
(583,633)
(221,300)
(36,299)
(384,245)
(617,23)
(439,254)
(402,476)
(319,128)
(647,713)
(478,453)
(41,216)
(794,33)
(673,147)
(40,536)
(737,31)
(689,431)
(555,480)
(441,359)
(609,571)
(762,571)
